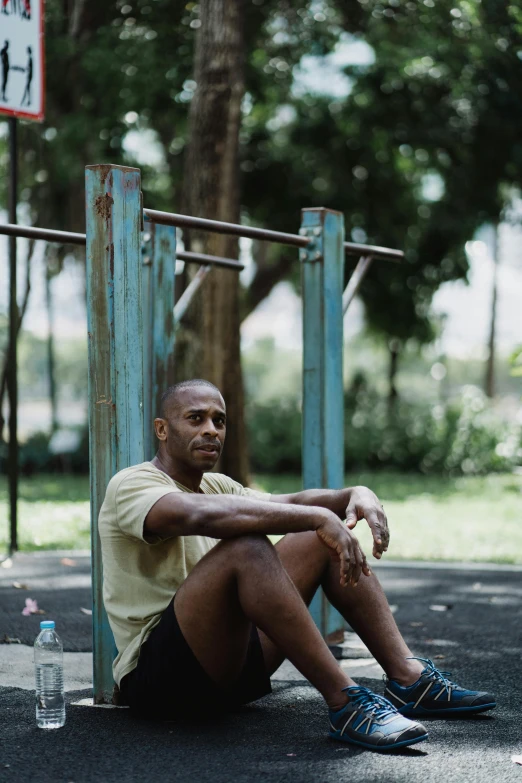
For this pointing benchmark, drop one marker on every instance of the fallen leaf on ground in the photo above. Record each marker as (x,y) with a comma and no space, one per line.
(440,607)
(10,640)
(439,657)
(31,607)
(66,561)
(7,563)
(20,586)
(517,760)
(85,611)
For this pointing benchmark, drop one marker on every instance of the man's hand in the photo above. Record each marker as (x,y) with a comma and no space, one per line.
(364,504)
(344,547)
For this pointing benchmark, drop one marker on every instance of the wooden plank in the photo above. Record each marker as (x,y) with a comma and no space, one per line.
(163,333)
(147,307)
(323,408)
(158,296)
(115,329)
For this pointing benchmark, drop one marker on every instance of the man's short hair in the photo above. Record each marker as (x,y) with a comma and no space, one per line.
(168,397)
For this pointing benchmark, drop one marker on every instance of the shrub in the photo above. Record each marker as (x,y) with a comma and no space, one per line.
(274,431)
(465,436)
(36,457)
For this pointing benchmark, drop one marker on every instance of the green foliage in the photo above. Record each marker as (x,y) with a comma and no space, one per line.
(515,361)
(35,456)
(422,151)
(274,431)
(463,437)
(437,517)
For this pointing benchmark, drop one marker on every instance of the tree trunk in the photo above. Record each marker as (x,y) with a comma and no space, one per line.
(21,313)
(51,363)
(490,366)
(209,345)
(394,348)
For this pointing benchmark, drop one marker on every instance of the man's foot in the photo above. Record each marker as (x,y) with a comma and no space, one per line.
(434,694)
(370,721)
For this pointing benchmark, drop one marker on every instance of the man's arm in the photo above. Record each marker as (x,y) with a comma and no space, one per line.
(227,516)
(352,504)
(335,500)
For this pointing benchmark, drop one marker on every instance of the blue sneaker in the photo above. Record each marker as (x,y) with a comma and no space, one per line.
(434,694)
(370,721)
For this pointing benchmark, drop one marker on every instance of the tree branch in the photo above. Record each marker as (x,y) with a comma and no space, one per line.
(21,313)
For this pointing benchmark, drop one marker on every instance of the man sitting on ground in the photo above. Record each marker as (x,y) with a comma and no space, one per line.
(204,608)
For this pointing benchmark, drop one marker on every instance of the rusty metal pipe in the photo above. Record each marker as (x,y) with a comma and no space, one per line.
(218,227)
(182,305)
(384,253)
(201,258)
(355,281)
(49,234)
(67,237)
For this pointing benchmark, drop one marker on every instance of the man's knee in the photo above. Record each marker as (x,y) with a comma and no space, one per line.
(308,545)
(249,550)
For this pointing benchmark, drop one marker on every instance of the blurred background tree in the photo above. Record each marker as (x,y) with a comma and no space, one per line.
(418,145)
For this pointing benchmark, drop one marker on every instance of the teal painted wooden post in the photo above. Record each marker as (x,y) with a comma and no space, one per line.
(147,307)
(323,409)
(160,268)
(114,269)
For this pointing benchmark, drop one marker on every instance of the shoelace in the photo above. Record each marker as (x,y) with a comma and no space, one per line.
(436,675)
(371,702)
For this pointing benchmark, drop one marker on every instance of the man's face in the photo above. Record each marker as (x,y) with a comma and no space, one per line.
(195,427)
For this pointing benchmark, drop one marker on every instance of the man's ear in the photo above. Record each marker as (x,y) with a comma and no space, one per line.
(160,426)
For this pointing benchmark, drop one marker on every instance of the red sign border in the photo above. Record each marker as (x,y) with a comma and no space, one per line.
(40,116)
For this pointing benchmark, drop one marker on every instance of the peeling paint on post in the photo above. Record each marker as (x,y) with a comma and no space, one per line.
(147,309)
(323,408)
(113,219)
(159,298)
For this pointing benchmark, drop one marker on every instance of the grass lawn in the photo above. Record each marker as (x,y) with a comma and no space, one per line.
(431,518)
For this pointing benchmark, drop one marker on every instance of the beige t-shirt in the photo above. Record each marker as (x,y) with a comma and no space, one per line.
(140,576)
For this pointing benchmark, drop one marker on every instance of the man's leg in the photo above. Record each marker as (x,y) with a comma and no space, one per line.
(309,565)
(242,581)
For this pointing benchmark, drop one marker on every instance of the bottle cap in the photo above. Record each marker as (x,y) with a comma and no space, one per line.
(47,624)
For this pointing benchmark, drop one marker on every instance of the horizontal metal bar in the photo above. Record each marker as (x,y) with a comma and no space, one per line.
(181,306)
(49,234)
(67,237)
(385,253)
(355,281)
(217,226)
(201,258)
(171,219)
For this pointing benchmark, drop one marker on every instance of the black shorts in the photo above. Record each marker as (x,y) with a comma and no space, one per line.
(169,681)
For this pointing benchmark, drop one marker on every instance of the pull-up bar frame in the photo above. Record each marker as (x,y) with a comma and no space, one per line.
(122,396)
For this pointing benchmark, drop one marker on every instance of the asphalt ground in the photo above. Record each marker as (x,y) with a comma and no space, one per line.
(282,737)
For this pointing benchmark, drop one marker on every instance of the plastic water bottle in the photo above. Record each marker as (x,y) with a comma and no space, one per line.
(48,665)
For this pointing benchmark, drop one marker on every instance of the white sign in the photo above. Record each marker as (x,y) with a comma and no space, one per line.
(22,59)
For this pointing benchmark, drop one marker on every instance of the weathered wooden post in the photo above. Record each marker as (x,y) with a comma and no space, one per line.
(323,409)
(116,379)
(158,295)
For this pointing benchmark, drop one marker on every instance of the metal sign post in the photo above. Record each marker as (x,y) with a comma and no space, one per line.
(22,95)
(12,376)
